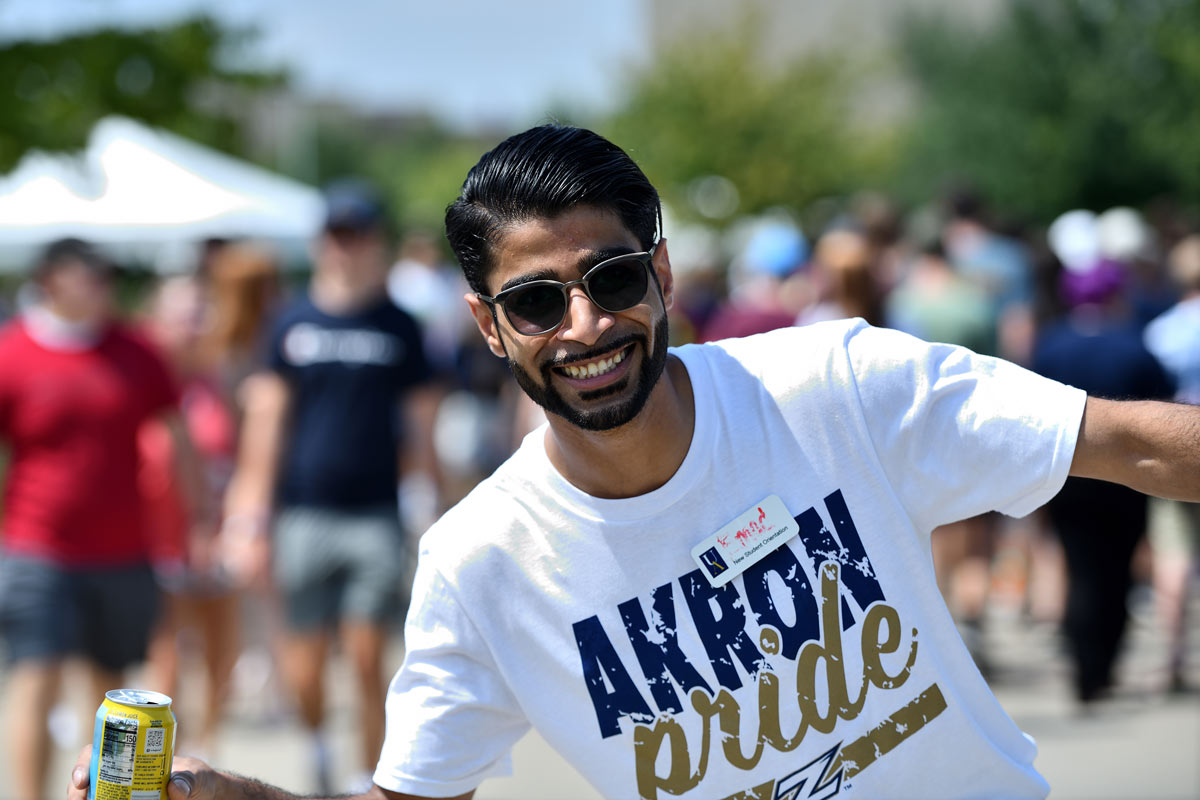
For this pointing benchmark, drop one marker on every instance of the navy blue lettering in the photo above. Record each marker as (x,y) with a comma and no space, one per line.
(858,576)
(723,633)
(783,562)
(659,653)
(600,659)
(857,573)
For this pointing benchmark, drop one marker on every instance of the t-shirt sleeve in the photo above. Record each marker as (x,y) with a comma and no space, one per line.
(451,719)
(959,434)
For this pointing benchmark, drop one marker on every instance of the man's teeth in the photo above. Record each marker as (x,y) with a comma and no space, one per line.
(594,368)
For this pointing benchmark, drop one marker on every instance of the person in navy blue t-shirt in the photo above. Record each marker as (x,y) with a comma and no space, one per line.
(1098,348)
(345,406)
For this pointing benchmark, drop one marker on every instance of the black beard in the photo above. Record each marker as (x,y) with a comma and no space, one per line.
(611,416)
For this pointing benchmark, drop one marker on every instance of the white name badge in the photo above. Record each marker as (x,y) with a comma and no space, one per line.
(749,538)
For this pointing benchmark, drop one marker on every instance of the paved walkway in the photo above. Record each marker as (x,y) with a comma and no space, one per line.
(1141,744)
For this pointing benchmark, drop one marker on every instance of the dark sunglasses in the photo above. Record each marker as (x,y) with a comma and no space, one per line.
(616,284)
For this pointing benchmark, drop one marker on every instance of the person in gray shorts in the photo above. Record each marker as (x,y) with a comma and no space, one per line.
(347,400)
(359,573)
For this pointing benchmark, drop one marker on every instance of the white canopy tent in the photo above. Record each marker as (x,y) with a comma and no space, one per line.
(139,192)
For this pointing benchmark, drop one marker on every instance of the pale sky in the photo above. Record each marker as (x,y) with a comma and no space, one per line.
(506,62)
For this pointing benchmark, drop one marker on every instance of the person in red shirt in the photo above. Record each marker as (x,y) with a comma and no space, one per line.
(75,577)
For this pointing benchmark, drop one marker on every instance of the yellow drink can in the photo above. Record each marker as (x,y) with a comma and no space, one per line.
(132,746)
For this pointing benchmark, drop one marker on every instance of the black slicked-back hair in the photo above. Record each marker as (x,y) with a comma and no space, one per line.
(543,173)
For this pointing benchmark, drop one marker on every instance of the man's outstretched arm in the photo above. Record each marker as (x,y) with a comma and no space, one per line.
(192,779)
(1150,446)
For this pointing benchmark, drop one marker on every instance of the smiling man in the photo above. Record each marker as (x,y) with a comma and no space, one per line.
(709,573)
(596,371)
(610,391)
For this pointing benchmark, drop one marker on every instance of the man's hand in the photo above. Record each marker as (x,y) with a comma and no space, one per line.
(191,779)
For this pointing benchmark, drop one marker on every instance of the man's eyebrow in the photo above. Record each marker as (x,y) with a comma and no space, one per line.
(529,277)
(585,263)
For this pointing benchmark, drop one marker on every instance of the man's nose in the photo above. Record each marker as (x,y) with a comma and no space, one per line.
(585,321)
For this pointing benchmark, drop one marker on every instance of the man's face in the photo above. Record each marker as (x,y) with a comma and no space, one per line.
(358,256)
(79,293)
(597,369)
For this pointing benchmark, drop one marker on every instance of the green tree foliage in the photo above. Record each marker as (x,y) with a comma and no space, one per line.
(783,133)
(424,174)
(53,92)
(1074,103)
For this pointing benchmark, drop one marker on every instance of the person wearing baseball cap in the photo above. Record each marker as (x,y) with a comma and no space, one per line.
(315,492)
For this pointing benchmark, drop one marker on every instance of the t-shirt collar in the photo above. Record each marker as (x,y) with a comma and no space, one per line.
(56,333)
(540,470)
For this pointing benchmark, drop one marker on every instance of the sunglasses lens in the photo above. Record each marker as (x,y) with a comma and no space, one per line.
(540,306)
(619,285)
(533,309)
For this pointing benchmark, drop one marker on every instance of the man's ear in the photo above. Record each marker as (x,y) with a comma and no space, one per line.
(662,268)
(485,320)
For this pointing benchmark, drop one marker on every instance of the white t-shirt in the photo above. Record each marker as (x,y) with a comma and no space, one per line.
(537,604)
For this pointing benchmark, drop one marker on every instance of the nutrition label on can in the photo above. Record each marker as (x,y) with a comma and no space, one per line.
(119,751)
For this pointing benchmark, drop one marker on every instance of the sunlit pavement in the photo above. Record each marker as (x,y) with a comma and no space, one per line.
(1141,743)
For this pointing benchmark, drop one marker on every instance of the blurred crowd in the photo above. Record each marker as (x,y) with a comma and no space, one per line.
(203,447)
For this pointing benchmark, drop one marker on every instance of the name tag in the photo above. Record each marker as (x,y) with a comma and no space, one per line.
(749,538)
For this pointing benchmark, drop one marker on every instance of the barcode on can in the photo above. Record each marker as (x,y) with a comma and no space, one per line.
(155,738)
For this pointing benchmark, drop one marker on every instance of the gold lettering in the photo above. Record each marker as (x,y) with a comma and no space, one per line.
(872,647)
(768,716)
(883,738)
(729,714)
(769,725)
(825,653)
(835,664)
(648,741)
